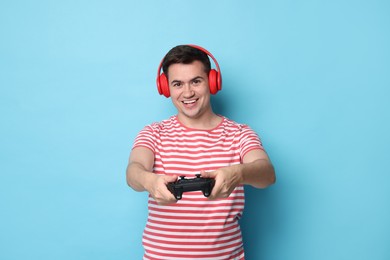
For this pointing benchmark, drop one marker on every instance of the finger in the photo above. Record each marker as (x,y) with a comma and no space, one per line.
(164,197)
(169,198)
(215,191)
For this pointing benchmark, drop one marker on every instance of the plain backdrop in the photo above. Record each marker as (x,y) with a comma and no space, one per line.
(77,83)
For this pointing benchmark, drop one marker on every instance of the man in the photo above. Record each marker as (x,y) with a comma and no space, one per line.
(195,141)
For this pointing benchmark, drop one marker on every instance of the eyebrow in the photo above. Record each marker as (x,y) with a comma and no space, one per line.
(179,81)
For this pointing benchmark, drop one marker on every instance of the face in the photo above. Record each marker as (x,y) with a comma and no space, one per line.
(189,89)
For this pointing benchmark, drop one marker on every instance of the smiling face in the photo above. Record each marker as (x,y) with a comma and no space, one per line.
(190,93)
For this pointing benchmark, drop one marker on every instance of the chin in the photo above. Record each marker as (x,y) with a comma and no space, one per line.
(192,114)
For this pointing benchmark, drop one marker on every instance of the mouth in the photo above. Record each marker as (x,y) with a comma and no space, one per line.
(189,102)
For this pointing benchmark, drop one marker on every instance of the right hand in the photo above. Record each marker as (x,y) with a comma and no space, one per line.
(159,191)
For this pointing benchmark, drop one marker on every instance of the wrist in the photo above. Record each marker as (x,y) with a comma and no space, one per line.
(149,180)
(239,173)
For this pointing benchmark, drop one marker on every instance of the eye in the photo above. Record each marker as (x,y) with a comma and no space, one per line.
(176,84)
(196,81)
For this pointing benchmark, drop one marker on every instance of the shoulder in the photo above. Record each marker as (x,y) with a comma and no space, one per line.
(164,125)
(233,125)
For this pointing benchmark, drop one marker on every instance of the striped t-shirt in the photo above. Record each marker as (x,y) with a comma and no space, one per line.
(195,227)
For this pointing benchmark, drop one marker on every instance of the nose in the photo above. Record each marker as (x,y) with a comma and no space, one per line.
(187,90)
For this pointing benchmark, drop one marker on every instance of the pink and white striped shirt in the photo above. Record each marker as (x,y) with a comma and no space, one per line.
(195,227)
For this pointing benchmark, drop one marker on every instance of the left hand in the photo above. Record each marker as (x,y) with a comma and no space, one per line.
(226,180)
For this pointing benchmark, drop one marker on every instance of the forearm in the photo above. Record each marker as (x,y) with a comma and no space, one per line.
(138,177)
(141,178)
(259,173)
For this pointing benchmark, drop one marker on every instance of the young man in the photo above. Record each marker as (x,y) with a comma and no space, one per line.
(195,141)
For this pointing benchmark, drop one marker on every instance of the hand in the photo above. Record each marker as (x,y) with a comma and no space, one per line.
(226,180)
(159,191)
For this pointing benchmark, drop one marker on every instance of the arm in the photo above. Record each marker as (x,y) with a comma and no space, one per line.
(140,176)
(256,170)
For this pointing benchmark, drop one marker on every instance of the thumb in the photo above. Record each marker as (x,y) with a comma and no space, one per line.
(170,178)
(205,174)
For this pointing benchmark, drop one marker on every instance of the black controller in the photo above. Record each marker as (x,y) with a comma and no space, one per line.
(183,185)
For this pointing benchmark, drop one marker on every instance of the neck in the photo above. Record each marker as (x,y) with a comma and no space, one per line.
(206,122)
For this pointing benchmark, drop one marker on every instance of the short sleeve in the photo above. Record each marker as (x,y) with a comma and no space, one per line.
(249,140)
(146,138)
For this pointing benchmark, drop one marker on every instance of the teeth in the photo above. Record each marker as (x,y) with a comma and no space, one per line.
(189,102)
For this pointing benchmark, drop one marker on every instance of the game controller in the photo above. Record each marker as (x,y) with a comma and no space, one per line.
(183,185)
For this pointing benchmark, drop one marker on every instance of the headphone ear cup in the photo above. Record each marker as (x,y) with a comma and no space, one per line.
(162,85)
(214,81)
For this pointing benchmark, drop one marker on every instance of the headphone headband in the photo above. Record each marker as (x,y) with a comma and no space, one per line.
(215,77)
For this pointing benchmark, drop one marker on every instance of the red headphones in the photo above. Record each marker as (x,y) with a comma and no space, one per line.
(215,78)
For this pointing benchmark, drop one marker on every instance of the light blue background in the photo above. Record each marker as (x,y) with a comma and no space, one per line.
(78,82)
